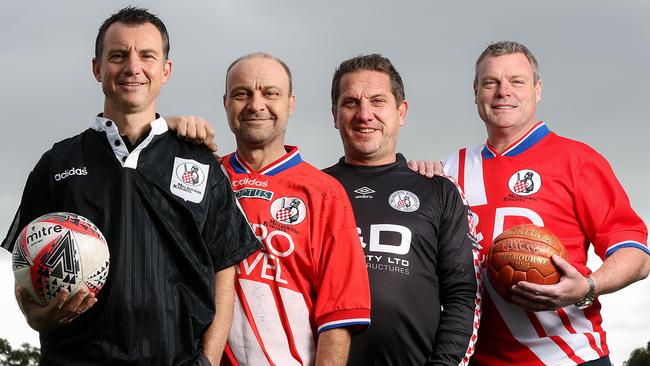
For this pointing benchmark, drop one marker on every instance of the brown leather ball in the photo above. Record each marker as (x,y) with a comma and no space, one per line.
(523,253)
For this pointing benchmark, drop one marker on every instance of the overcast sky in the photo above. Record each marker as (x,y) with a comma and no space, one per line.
(594,59)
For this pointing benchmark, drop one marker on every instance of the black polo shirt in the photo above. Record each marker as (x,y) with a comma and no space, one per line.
(416,237)
(171,221)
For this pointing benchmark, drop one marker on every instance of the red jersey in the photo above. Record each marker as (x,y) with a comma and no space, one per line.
(565,185)
(311,274)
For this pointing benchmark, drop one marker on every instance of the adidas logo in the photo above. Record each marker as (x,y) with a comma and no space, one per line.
(70,172)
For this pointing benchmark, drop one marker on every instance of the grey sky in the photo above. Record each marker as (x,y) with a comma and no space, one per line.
(593,57)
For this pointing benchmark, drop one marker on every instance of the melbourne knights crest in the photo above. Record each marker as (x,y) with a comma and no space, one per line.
(288,210)
(189,179)
(525,182)
(404,201)
(190,173)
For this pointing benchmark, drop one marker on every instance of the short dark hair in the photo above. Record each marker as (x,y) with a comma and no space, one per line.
(507,48)
(261,55)
(132,16)
(373,62)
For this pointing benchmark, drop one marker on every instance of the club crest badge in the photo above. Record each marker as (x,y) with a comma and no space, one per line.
(189,179)
(404,201)
(190,174)
(525,182)
(288,210)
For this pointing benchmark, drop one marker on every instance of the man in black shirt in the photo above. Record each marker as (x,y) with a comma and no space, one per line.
(415,231)
(172,241)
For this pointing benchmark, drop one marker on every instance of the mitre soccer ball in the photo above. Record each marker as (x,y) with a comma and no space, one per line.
(60,251)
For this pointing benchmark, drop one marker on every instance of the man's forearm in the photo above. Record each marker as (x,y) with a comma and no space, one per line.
(333,347)
(215,337)
(457,328)
(623,267)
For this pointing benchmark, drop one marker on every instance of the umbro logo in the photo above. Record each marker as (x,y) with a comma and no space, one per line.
(363,192)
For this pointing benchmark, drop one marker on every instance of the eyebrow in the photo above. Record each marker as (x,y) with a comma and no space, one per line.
(121,49)
(343,96)
(379,95)
(248,87)
(492,76)
(237,88)
(147,50)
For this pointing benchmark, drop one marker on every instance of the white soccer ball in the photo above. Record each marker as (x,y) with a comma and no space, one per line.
(60,251)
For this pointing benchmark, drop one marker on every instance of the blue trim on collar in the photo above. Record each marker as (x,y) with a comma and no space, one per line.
(529,141)
(534,136)
(486,153)
(295,160)
(290,160)
(236,165)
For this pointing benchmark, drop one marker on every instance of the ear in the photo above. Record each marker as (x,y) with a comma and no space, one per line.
(475,87)
(401,110)
(224,100)
(336,124)
(96,69)
(167,70)
(292,104)
(538,90)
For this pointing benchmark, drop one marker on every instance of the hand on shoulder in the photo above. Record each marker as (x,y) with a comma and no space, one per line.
(428,168)
(193,129)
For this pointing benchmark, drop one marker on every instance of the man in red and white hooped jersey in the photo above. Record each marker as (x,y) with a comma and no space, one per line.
(301,296)
(527,174)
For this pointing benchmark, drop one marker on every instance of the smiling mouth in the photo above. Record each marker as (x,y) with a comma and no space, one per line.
(256,119)
(132,84)
(365,130)
(504,107)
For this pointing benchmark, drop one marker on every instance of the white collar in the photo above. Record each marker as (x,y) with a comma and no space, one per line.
(126,159)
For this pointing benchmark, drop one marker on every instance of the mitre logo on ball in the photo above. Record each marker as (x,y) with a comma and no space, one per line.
(523,253)
(60,251)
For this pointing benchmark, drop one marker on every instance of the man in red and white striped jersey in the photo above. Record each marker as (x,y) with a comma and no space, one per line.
(527,174)
(301,296)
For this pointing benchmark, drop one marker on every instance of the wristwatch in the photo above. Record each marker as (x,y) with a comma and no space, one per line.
(589,298)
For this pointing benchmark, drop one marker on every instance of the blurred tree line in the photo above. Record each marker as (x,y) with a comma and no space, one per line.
(639,357)
(28,355)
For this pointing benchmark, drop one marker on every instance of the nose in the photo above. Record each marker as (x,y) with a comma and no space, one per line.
(256,103)
(504,89)
(365,111)
(133,66)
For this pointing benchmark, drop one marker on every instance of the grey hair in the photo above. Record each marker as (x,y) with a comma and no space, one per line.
(506,48)
(261,55)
